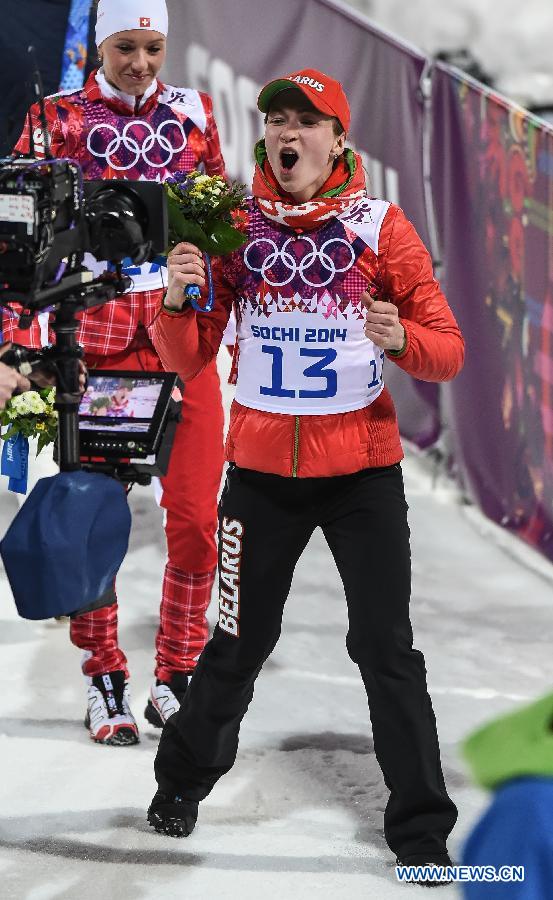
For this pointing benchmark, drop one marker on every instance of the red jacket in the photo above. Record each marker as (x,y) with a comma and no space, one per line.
(345,442)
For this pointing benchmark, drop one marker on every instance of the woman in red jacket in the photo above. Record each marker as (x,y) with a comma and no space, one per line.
(327,284)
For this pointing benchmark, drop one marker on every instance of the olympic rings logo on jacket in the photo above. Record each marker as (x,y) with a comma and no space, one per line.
(140,147)
(298,267)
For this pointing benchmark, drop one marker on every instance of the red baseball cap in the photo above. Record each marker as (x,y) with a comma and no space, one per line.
(326,94)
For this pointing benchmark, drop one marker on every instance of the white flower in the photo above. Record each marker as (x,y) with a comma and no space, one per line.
(20,405)
(28,402)
(36,403)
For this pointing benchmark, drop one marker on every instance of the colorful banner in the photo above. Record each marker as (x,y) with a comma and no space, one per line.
(210,49)
(492,171)
(76,46)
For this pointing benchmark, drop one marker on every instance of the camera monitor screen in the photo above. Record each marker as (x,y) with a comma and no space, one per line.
(123,402)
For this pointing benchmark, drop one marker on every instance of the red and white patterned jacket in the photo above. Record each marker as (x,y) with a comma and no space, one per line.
(287,283)
(113,135)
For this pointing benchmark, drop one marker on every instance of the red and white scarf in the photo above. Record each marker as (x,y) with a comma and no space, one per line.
(344,188)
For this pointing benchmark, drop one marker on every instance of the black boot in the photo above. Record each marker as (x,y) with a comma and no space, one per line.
(172,815)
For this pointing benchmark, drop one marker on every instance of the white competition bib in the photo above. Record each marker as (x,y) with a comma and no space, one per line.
(309,355)
(306,364)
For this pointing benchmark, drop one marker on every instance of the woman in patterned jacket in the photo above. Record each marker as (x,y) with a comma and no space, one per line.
(327,284)
(125,123)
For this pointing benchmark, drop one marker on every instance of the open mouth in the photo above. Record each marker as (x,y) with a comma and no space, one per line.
(288,159)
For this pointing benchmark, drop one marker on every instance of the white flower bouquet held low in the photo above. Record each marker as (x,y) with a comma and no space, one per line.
(31,414)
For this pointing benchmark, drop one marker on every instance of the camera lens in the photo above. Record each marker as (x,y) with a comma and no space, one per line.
(117,222)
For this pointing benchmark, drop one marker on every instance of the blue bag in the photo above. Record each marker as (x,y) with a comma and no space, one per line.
(66,543)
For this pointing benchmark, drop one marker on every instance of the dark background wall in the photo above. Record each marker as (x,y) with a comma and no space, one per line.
(42,23)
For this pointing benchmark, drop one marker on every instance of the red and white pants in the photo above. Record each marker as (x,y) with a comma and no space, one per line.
(190,491)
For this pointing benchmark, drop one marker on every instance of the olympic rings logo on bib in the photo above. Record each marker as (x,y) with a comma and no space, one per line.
(298,267)
(140,150)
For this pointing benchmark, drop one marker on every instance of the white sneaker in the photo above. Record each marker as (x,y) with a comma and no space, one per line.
(109,718)
(165,698)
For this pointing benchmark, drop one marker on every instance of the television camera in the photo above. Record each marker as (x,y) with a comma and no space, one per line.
(123,425)
(49,218)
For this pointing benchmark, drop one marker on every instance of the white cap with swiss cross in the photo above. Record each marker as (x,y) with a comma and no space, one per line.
(127,15)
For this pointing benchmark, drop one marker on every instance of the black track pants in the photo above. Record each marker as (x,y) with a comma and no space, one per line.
(265,524)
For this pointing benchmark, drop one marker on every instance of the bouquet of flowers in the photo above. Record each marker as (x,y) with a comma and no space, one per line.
(205,210)
(31,414)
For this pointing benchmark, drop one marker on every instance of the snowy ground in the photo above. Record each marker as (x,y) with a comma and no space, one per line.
(301,813)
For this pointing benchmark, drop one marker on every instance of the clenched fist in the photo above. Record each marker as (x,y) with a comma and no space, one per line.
(382,325)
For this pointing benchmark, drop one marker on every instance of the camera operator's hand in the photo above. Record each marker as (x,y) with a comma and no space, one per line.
(10,381)
(186,266)
(47,377)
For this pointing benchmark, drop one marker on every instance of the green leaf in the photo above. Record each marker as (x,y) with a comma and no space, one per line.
(182,229)
(43,441)
(176,218)
(225,238)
